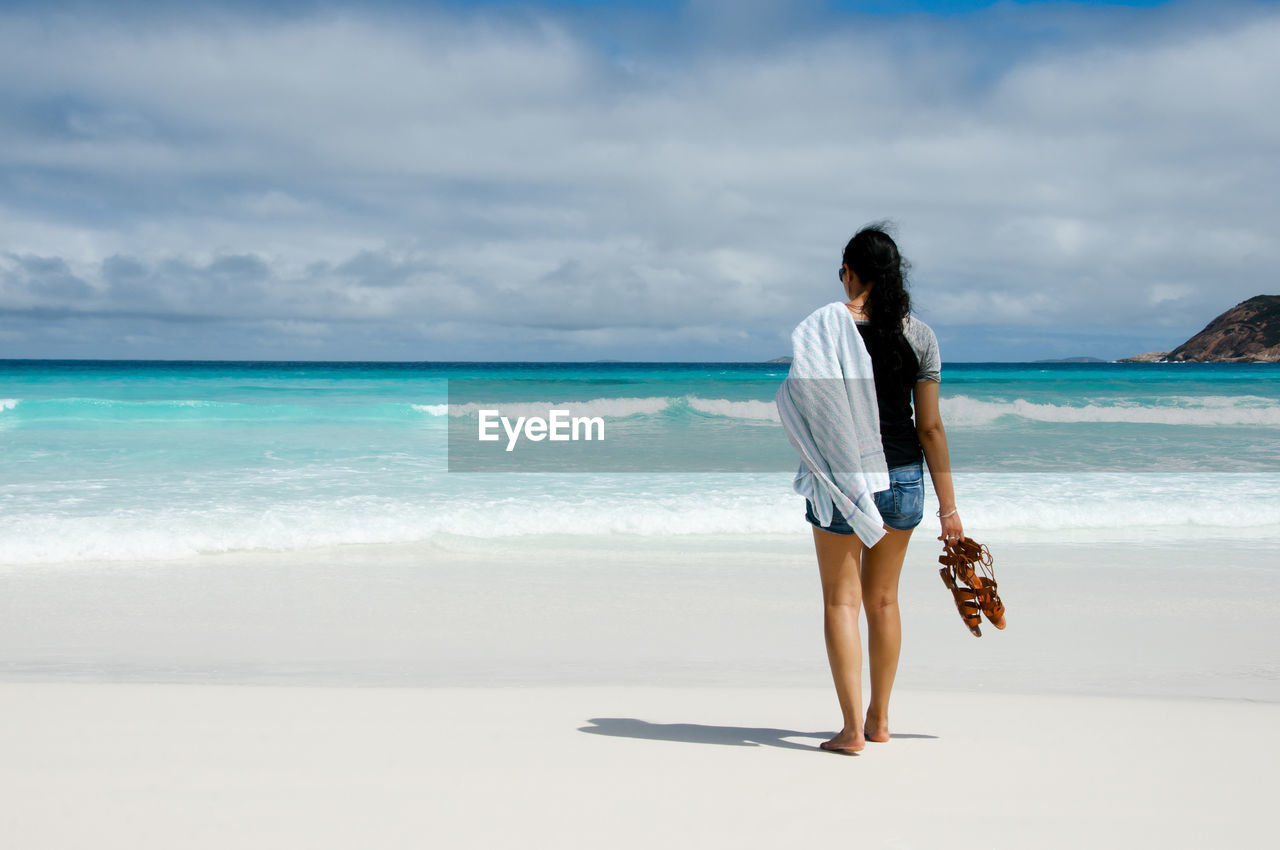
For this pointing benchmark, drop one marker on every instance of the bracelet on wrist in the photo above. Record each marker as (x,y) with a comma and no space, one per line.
(947,514)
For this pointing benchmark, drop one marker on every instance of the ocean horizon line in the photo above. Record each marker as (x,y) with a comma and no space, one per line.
(1045,362)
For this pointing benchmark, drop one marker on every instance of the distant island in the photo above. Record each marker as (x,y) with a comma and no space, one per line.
(1247,333)
(780,360)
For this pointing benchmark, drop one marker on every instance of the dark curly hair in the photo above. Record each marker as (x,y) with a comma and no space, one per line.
(873,256)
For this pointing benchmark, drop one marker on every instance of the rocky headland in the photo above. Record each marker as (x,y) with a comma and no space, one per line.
(1247,333)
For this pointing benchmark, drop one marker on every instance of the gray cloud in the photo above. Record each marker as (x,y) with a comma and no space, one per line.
(424,185)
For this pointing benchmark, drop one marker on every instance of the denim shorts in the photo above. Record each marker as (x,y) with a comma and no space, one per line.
(901,506)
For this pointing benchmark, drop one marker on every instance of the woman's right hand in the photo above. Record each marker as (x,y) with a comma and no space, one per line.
(952,529)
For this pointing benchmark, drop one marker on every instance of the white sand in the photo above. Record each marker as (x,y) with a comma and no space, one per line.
(193,766)
(1154,619)
(1132,702)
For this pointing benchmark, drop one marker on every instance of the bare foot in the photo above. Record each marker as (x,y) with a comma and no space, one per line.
(847,742)
(876,728)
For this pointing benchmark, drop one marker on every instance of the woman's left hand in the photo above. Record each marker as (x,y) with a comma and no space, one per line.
(952,529)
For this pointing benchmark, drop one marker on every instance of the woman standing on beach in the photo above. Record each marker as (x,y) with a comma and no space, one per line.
(907,368)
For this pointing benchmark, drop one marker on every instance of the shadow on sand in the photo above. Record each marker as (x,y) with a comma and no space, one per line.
(698,733)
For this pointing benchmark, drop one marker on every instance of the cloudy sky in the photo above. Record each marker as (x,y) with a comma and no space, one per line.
(628,180)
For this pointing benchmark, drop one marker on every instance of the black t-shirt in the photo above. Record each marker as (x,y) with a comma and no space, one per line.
(893,397)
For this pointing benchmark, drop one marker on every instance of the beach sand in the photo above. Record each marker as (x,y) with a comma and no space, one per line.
(668,692)
(110,765)
(1178,619)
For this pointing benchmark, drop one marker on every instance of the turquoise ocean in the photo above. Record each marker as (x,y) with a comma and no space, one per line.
(139,461)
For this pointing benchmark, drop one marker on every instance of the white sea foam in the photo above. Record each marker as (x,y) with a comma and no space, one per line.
(960,410)
(613,407)
(1015,506)
(762,410)
(965,411)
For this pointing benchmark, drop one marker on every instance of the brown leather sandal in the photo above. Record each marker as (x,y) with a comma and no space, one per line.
(959,564)
(963,556)
(967,601)
(992,606)
(974,549)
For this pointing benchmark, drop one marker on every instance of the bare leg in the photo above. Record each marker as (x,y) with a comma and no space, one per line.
(881,568)
(839,556)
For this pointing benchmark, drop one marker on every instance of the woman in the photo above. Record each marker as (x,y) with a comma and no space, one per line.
(907,368)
